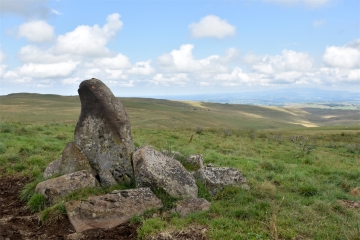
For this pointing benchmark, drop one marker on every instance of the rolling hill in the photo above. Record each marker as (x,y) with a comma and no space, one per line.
(158,113)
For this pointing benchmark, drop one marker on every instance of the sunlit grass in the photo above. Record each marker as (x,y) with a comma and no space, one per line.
(294,189)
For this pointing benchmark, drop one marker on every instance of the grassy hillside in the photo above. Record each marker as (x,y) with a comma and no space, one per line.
(162,114)
(300,177)
(297,177)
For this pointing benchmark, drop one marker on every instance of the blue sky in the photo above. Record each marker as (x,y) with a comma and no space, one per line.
(148,48)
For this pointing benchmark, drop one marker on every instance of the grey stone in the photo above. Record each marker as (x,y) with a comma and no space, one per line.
(154,169)
(110,210)
(53,168)
(71,160)
(216,178)
(195,161)
(54,188)
(103,133)
(191,205)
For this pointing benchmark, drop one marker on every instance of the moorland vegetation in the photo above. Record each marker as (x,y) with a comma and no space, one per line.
(300,177)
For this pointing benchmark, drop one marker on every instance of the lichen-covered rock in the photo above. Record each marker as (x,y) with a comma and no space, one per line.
(103,133)
(191,205)
(54,188)
(71,160)
(196,161)
(110,210)
(53,168)
(154,169)
(216,178)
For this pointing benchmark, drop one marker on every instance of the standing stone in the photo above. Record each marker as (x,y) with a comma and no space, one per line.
(156,170)
(103,133)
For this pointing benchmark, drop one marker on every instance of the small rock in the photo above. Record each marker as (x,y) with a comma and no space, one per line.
(54,188)
(195,160)
(71,160)
(53,168)
(110,210)
(191,205)
(74,236)
(154,169)
(216,178)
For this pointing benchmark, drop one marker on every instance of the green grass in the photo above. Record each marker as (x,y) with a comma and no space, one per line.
(293,190)
(296,174)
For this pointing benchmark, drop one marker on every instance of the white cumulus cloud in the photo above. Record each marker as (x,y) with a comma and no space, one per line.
(288,61)
(236,77)
(120,61)
(182,60)
(52,70)
(212,26)
(36,31)
(168,79)
(347,56)
(89,41)
(142,68)
(34,54)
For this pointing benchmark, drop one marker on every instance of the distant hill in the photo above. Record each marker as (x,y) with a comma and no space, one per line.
(276,97)
(157,113)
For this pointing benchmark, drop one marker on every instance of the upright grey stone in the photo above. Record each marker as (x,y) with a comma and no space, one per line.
(103,133)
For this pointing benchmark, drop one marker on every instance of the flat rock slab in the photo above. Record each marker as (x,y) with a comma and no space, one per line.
(191,205)
(55,188)
(103,133)
(216,178)
(156,170)
(110,210)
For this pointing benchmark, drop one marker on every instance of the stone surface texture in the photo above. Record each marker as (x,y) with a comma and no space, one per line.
(191,205)
(110,210)
(216,178)
(54,188)
(156,170)
(103,133)
(71,160)
(195,160)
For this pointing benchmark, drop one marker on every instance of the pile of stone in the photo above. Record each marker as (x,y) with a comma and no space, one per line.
(103,154)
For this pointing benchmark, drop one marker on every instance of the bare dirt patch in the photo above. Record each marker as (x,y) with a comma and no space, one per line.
(17,222)
(349,204)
